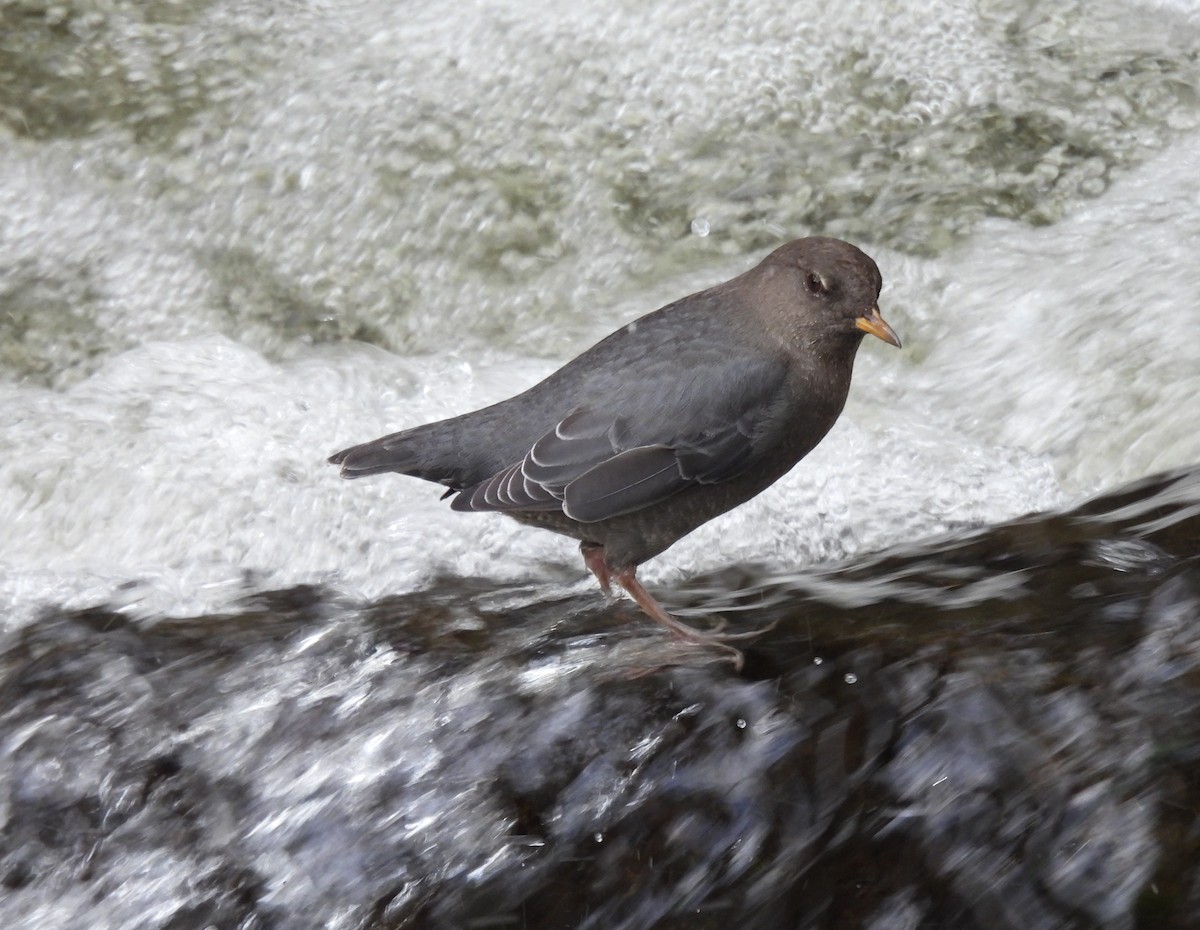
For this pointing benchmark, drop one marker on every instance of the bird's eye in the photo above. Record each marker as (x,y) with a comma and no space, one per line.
(815,283)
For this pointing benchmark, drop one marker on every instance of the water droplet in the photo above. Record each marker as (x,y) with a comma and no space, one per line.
(851,678)
(700,227)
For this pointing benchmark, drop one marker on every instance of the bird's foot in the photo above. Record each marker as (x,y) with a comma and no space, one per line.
(714,639)
(715,634)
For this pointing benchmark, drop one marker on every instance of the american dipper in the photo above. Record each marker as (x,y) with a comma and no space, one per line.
(673,419)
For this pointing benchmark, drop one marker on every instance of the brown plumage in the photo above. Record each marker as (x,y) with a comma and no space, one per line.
(671,420)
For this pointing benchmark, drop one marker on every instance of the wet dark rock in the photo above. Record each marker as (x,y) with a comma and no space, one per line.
(991,730)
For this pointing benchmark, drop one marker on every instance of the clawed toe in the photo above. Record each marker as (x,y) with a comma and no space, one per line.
(716,636)
(714,639)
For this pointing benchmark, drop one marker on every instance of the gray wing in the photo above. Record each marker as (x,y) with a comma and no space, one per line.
(648,443)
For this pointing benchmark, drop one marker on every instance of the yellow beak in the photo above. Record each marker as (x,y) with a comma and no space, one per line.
(874,324)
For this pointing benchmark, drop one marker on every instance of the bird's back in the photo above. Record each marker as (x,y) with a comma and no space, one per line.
(646,366)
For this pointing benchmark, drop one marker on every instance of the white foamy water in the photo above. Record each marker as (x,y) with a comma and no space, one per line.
(186,315)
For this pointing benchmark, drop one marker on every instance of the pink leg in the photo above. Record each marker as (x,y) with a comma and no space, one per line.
(627,579)
(593,558)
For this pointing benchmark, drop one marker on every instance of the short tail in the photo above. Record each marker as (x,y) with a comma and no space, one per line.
(390,453)
(454,453)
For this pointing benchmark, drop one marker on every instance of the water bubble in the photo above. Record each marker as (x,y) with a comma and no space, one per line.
(700,227)
(850,678)
(741,723)
(817,660)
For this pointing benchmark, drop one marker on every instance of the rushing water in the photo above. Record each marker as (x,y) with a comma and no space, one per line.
(241,692)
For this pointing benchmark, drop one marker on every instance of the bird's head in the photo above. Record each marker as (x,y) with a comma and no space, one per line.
(824,291)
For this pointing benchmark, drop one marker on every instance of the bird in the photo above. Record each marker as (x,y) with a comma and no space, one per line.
(670,421)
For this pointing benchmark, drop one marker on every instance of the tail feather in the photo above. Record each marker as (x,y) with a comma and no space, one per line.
(455,453)
(391,453)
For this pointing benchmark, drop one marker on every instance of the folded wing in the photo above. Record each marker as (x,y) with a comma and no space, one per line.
(603,460)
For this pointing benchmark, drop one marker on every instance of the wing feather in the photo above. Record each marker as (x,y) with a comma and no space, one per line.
(600,462)
(622,484)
